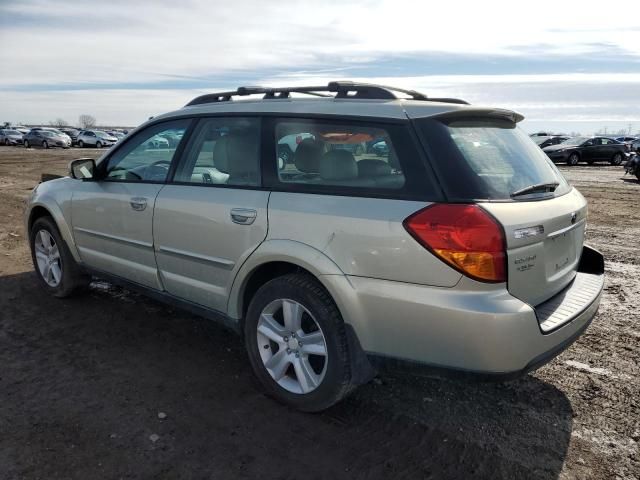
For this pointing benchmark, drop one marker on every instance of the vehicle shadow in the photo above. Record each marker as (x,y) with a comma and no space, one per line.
(85,379)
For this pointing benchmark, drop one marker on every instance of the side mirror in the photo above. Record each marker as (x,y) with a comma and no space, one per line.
(83,168)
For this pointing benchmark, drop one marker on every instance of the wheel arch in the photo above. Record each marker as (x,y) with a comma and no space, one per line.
(39,210)
(272,259)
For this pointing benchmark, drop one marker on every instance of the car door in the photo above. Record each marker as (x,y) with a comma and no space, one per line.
(609,148)
(213,214)
(588,150)
(600,149)
(112,217)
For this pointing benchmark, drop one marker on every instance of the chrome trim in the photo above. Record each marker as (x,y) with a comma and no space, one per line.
(113,237)
(566,229)
(222,262)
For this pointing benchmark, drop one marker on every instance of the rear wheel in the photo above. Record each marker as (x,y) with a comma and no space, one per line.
(6,142)
(297,345)
(573,159)
(80,144)
(55,266)
(26,144)
(45,144)
(616,159)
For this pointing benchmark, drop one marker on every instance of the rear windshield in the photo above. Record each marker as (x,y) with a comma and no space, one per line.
(488,159)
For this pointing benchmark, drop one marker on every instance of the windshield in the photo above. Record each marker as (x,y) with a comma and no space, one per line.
(576,140)
(12,132)
(102,134)
(47,133)
(488,159)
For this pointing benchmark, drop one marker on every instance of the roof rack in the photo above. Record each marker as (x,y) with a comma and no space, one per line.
(342,89)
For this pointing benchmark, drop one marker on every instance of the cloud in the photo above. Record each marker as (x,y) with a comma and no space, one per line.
(124,61)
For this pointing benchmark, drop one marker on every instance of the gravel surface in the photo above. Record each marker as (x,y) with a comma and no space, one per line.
(112,385)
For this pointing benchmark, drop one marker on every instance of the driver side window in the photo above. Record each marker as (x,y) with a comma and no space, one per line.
(147,156)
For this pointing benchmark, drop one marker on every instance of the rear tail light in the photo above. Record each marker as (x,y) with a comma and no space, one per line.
(463,236)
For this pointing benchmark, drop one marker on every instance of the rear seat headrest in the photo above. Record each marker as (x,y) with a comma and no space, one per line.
(308,154)
(338,165)
(373,168)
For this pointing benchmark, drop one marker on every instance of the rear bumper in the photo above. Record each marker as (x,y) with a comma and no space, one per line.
(472,327)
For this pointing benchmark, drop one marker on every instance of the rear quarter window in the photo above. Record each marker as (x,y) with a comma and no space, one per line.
(487,159)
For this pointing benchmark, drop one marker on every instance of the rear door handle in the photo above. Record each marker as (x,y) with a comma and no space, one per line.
(138,203)
(243,216)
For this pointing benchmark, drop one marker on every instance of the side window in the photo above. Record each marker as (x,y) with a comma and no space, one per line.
(147,156)
(223,151)
(606,141)
(322,153)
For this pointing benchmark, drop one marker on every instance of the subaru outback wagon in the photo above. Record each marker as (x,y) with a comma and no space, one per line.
(455,245)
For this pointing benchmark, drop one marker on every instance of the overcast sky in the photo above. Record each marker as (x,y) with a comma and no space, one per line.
(566,66)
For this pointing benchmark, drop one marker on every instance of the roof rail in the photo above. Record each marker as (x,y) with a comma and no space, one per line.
(342,89)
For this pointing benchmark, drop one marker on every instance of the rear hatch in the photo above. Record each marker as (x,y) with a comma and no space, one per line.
(481,157)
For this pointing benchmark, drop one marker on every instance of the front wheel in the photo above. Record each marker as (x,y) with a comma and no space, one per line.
(297,345)
(616,159)
(573,160)
(80,144)
(26,144)
(98,144)
(45,144)
(6,142)
(55,266)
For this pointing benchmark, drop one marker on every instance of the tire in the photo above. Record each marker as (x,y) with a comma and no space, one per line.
(332,372)
(616,159)
(80,144)
(6,142)
(71,279)
(98,144)
(26,144)
(573,159)
(45,144)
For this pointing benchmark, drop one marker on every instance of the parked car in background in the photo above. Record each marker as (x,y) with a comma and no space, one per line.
(635,146)
(72,133)
(10,137)
(587,149)
(157,141)
(95,138)
(39,137)
(628,141)
(469,255)
(541,134)
(56,131)
(554,140)
(115,133)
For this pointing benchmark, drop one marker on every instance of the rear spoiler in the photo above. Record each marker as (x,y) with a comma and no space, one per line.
(475,112)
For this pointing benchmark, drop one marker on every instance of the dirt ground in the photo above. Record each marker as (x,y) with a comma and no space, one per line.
(84,382)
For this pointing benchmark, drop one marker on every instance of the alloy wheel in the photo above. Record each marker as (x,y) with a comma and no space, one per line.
(617,159)
(292,346)
(48,258)
(573,159)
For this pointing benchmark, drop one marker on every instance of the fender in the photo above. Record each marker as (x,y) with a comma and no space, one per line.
(58,203)
(289,251)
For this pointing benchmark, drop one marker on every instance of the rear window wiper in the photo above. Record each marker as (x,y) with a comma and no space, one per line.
(538,187)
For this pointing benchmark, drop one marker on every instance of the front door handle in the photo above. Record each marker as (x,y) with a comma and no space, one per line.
(138,203)
(243,216)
